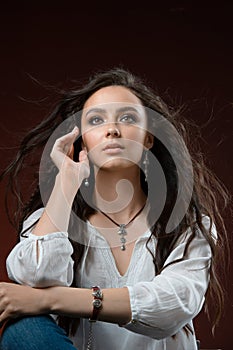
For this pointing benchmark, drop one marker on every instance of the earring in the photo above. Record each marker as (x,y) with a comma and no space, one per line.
(146,163)
(86,183)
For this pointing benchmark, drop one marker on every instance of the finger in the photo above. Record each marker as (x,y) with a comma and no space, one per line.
(63,147)
(71,152)
(65,142)
(3,318)
(84,164)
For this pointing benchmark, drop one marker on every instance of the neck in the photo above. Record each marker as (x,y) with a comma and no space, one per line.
(119,192)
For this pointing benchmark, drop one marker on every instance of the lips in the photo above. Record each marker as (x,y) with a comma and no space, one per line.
(112,146)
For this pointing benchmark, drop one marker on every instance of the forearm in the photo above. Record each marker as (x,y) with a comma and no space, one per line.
(77,302)
(57,211)
(56,215)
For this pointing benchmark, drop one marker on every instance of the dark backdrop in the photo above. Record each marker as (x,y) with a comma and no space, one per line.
(182,48)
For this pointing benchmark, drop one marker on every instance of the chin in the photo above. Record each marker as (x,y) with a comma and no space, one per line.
(118,164)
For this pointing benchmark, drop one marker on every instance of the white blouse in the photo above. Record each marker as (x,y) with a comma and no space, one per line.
(161,305)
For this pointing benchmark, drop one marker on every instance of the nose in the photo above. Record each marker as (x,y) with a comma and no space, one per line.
(113,131)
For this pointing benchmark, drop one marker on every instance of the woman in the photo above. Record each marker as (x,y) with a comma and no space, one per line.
(118,242)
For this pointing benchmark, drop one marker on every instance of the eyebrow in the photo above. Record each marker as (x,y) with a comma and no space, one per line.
(119,110)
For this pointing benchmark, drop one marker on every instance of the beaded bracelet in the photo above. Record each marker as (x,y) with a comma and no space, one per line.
(97,303)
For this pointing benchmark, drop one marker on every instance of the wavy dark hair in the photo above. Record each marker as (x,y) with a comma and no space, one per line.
(208,193)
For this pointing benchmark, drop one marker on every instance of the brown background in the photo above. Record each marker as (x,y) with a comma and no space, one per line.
(182,48)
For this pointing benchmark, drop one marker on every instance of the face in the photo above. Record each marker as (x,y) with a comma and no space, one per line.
(114,128)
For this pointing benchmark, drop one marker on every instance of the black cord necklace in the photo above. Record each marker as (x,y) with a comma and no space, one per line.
(122,227)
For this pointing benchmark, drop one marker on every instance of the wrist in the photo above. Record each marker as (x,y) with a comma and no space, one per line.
(70,301)
(65,189)
(47,300)
(96,303)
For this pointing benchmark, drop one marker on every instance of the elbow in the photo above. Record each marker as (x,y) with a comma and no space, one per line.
(150,331)
(169,326)
(165,323)
(53,266)
(39,276)
(158,331)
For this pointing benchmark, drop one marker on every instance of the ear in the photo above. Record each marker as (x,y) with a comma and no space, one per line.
(149,140)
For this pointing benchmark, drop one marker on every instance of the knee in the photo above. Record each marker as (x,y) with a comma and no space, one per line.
(25,333)
(35,332)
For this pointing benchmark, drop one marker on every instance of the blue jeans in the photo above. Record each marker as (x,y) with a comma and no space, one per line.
(35,333)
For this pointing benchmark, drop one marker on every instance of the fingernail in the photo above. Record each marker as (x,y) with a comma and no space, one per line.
(75,129)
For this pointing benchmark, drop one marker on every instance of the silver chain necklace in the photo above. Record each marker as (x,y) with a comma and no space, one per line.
(122,227)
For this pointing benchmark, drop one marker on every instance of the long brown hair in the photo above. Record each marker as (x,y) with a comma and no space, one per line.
(208,196)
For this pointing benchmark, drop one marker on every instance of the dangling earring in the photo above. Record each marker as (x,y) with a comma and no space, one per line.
(146,163)
(86,183)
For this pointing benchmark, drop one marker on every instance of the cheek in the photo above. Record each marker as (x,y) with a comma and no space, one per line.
(90,140)
(134,150)
(137,135)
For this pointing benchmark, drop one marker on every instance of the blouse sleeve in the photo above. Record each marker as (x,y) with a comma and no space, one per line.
(53,266)
(161,307)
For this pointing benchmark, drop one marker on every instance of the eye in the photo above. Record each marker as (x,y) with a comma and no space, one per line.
(95,120)
(128,118)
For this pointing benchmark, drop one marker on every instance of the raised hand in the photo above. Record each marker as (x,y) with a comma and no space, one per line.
(72,173)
